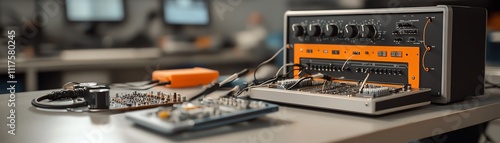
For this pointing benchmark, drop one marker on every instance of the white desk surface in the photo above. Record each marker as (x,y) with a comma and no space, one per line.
(290,124)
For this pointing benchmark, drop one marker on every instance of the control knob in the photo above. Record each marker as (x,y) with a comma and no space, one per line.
(331,30)
(298,30)
(351,31)
(368,31)
(314,30)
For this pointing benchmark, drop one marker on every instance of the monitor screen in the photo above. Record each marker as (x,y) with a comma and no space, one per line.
(186,12)
(95,10)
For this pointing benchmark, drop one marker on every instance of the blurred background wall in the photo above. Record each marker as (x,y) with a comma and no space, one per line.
(240,34)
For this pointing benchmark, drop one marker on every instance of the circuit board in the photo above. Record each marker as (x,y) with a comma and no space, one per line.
(349,89)
(352,96)
(203,114)
(126,101)
(137,99)
(340,88)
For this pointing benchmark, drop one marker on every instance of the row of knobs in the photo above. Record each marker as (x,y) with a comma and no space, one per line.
(331,30)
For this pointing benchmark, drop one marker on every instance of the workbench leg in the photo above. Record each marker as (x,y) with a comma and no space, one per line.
(470,134)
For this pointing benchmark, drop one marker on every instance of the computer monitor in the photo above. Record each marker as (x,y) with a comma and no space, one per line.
(186,12)
(95,10)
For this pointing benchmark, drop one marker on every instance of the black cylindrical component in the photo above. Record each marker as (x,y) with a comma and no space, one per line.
(331,30)
(298,30)
(314,30)
(351,31)
(98,98)
(368,31)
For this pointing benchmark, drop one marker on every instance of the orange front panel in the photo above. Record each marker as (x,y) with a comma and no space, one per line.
(404,54)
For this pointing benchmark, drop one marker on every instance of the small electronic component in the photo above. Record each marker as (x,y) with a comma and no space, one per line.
(200,114)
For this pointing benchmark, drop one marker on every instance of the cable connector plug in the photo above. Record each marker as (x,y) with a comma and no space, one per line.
(323,76)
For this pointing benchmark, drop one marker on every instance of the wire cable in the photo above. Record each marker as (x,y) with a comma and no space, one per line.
(146,87)
(245,89)
(427,47)
(211,88)
(265,62)
(298,74)
(297,83)
(346,62)
(289,72)
(273,79)
(323,87)
(281,68)
(134,85)
(364,83)
(57,95)
(301,67)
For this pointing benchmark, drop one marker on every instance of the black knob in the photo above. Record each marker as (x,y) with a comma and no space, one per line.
(314,30)
(331,30)
(298,30)
(351,31)
(368,31)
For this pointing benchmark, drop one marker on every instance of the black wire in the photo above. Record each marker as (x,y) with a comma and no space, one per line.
(288,73)
(148,87)
(151,82)
(298,82)
(216,86)
(205,91)
(283,75)
(57,95)
(492,84)
(301,68)
(163,83)
(255,81)
(132,85)
(254,74)
(274,79)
